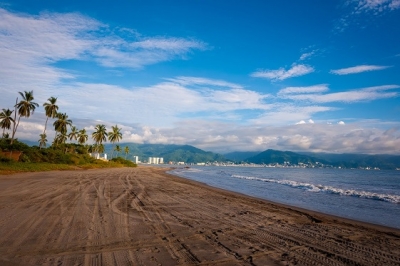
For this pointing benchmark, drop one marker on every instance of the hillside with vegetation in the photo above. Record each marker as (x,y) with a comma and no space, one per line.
(283,157)
(352,161)
(169,152)
(68,149)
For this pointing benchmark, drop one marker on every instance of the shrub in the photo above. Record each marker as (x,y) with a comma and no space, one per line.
(123,161)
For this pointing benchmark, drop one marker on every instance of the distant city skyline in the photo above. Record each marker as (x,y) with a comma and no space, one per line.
(319,76)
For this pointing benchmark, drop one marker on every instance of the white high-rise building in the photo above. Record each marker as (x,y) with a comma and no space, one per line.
(136,159)
(155,160)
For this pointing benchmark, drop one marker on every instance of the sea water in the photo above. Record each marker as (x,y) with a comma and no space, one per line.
(371,196)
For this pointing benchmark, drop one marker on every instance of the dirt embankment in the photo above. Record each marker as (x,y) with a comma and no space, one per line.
(142,216)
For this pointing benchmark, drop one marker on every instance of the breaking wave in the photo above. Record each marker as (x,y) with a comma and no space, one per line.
(327,189)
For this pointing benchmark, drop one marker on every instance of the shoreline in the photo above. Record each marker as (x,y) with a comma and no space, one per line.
(311,213)
(295,208)
(145,216)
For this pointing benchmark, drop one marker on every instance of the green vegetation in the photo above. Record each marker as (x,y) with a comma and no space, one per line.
(170,152)
(123,161)
(115,136)
(16,156)
(50,109)
(61,157)
(280,157)
(25,107)
(355,161)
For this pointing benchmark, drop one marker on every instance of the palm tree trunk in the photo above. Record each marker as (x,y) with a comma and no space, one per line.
(45,126)
(14,125)
(14,130)
(112,152)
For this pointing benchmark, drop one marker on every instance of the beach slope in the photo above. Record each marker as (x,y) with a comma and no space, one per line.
(143,216)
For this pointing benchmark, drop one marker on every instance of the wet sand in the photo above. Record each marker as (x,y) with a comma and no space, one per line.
(143,216)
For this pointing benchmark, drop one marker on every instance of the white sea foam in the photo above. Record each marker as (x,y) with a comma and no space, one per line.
(327,189)
(193,170)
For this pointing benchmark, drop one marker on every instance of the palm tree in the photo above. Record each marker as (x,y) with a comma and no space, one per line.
(60,138)
(25,107)
(91,148)
(42,141)
(60,125)
(82,136)
(114,136)
(73,135)
(99,136)
(126,150)
(100,148)
(6,120)
(96,148)
(117,149)
(51,110)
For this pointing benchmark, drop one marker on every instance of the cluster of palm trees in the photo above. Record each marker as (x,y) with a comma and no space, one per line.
(26,106)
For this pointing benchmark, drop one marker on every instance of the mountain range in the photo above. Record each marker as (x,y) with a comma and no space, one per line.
(190,154)
(169,152)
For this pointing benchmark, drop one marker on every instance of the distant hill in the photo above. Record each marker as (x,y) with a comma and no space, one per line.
(347,160)
(280,157)
(170,152)
(239,156)
(190,154)
(31,143)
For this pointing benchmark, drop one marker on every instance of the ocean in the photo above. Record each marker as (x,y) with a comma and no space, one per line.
(371,196)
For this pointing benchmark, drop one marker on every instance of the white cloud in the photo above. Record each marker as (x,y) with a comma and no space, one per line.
(376,6)
(137,54)
(204,81)
(226,137)
(32,45)
(395,4)
(357,69)
(364,94)
(304,56)
(283,114)
(176,45)
(213,135)
(29,44)
(282,74)
(309,89)
(356,8)
(310,121)
(161,104)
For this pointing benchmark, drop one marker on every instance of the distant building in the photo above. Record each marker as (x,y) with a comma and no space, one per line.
(136,159)
(156,160)
(97,156)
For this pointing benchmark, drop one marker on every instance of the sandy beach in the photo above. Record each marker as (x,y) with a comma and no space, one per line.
(143,216)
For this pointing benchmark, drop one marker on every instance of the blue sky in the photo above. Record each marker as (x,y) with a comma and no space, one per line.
(223,76)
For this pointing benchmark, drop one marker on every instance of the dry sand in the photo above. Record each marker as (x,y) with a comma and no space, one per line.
(142,216)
